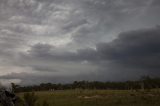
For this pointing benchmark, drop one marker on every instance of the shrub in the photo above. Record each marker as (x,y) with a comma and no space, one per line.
(45,103)
(30,99)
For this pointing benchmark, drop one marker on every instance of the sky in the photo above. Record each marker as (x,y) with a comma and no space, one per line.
(60,41)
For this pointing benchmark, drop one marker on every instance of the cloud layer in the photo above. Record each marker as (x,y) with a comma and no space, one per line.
(67,40)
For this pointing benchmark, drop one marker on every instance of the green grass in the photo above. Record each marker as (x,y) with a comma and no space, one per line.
(98,98)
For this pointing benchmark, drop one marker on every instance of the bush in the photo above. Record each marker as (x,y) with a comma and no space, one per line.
(45,103)
(19,102)
(30,99)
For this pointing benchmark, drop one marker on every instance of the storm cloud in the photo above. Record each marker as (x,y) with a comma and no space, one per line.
(67,40)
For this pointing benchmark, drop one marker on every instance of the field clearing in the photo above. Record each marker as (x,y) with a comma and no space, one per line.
(98,98)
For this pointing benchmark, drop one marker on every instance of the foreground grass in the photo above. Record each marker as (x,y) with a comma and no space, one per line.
(98,98)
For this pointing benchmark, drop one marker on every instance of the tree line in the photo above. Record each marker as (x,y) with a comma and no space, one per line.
(145,82)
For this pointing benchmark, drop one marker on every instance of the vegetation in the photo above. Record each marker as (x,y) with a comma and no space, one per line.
(30,99)
(144,92)
(146,83)
(81,97)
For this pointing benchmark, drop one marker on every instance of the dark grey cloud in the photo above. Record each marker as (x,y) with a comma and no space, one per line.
(107,18)
(155,2)
(64,38)
(133,43)
(133,53)
(30,79)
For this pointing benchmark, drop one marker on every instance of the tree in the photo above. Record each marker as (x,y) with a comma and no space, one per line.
(14,87)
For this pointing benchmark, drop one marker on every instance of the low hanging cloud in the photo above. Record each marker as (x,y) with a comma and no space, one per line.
(138,46)
(131,55)
(134,53)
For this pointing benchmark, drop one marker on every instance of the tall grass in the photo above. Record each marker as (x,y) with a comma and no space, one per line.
(98,98)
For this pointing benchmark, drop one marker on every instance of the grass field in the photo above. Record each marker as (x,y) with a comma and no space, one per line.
(98,98)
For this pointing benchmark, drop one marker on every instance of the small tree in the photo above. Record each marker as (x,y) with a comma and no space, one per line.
(14,87)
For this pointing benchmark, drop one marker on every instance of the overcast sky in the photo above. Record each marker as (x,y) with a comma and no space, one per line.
(67,40)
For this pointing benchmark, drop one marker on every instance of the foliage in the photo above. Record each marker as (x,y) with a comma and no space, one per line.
(45,103)
(14,87)
(19,102)
(145,82)
(98,98)
(30,99)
